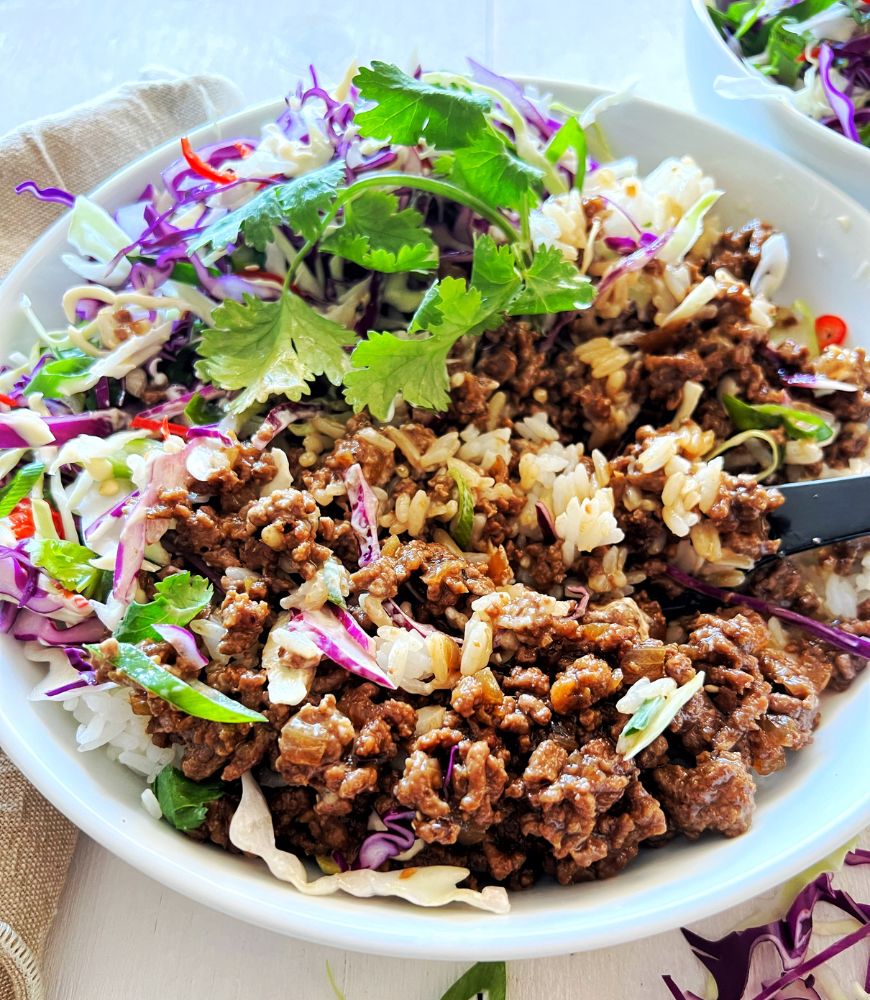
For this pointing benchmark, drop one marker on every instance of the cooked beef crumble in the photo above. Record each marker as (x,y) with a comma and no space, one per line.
(512,770)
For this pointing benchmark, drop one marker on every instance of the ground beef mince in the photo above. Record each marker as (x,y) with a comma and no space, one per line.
(518,591)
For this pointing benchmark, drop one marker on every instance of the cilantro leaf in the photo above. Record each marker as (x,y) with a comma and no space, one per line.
(386,364)
(271,348)
(407,110)
(178,600)
(552,284)
(488,978)
(70,564)
(298,203)
(376,235)
(489,170)
(494,273)
(61,377)
(19,486)
(184,802)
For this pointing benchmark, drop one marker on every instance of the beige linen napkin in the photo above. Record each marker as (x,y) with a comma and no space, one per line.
(74,150)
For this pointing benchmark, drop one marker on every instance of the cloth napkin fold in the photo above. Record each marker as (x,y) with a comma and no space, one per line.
(75,151)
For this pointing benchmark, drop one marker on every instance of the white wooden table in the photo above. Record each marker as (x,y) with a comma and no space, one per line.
(118,934)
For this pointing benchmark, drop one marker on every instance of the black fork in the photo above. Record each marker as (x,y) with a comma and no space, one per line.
(817,512)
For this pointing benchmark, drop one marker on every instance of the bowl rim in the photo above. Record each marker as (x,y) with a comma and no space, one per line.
(199,883)
(810,126)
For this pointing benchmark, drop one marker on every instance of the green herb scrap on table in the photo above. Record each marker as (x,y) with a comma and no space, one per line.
(342,504)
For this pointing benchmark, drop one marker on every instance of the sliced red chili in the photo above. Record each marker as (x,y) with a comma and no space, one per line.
(8,400)
(22,524)
(257,274)
(199,166)
(830,330)
(163,426)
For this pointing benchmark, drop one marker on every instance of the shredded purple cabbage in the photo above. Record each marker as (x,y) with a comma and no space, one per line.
(730,959)
(51,194)
(842,105)
(332,638)
(451,763)
(634,261)
(546,523)
(363,514)
(855,644)
(183,641)
(382,845)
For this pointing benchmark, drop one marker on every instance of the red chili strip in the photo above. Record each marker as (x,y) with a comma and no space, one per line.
(163,427)
(199,166)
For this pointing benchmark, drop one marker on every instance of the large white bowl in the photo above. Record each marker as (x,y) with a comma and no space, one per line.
(806,811)
(772,121)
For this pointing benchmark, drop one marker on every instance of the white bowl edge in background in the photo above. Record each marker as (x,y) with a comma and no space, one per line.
(773,122)
(804,812)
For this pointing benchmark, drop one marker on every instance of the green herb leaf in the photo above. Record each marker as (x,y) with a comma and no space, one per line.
(19,487)
(569,136)
(552,284)
(643,716)
(376,235)
(784,46)
(62,377)
(271,348)
(489,170)
(178,600)
(199,411)
(298,203)
(385,365)
(408,110)
(194,698)
(798,424)
(416,367)
(184,802)
(494,275)
(489,978)
(461,526)
(70,564)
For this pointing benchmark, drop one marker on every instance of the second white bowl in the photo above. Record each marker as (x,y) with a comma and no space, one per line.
(772,121)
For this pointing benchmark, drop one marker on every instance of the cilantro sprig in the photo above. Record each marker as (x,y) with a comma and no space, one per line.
(415,365)
(479,155)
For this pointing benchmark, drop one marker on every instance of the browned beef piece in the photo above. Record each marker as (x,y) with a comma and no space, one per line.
(739,250)
(447,577)
(718,793)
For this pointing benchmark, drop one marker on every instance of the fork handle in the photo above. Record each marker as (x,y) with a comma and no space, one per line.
(821,512)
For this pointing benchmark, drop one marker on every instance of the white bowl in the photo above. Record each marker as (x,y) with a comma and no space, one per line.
(773,121)
(804,812)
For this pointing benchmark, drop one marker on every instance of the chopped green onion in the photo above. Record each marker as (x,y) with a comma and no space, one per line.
(742,438)
(569,136)
(43,521)
(20,486)
(462,524)
(798,424)
(194,698)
